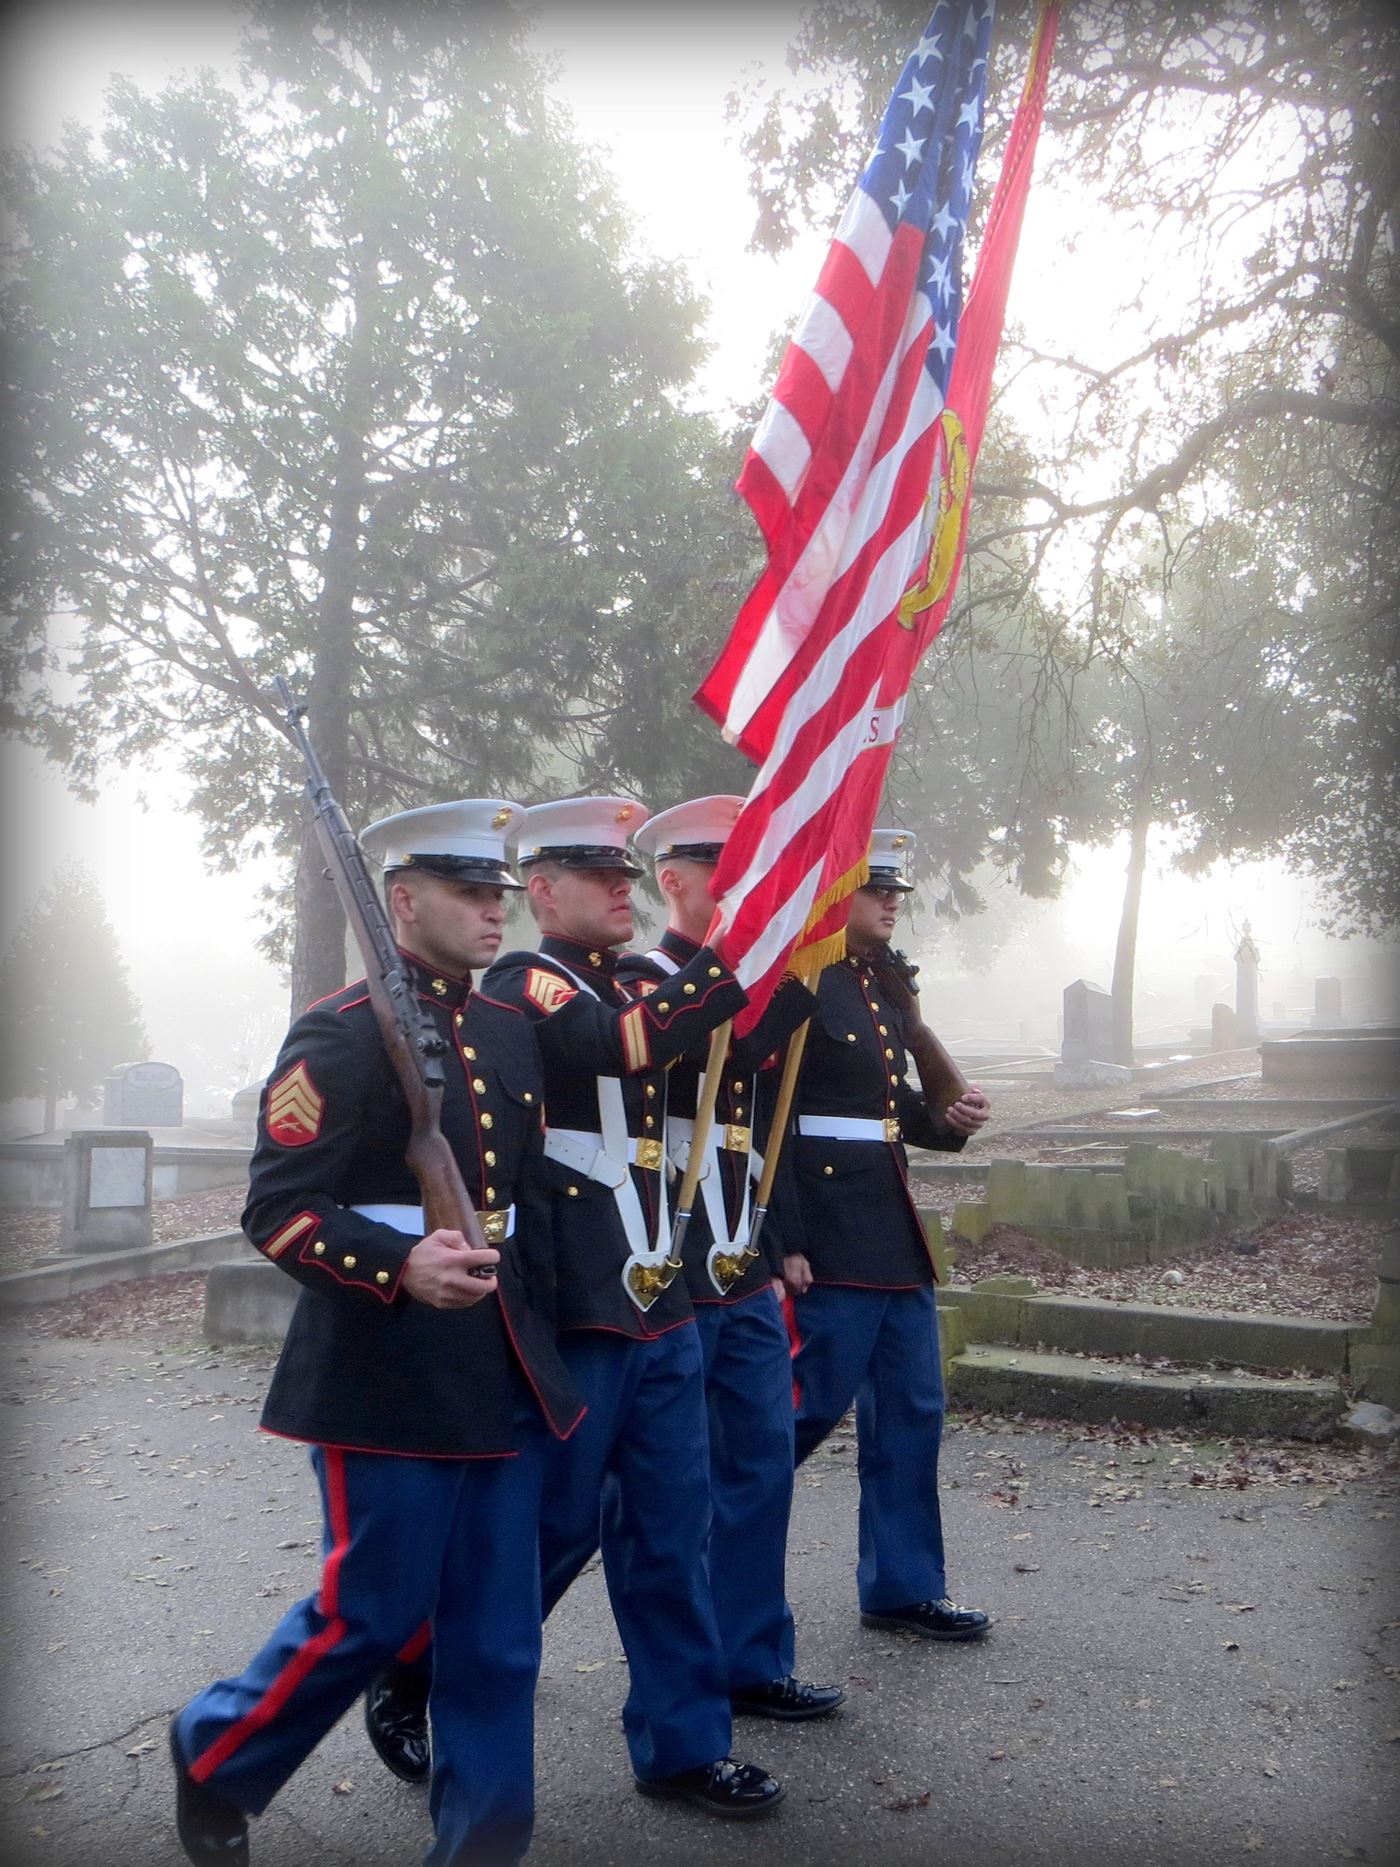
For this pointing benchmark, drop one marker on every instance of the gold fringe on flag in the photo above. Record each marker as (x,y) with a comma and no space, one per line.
(808,960)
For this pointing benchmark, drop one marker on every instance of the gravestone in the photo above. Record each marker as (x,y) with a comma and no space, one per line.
(1327,1001)
(144,1095)
(1224,1028)
(106,1191)
(1087,1049)
(245,1111)
(1247,988)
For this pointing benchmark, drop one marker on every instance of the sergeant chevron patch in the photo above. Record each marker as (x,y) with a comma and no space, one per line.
(295,1107)
(546,991)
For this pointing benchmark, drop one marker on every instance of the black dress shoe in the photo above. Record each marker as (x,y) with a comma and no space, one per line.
(396,1717)
(932,1620)
(724,1788)
(212,1831)
(787,1698)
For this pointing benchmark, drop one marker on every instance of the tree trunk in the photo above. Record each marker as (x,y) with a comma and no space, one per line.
(50,1111)
(318,954)
(1125,953)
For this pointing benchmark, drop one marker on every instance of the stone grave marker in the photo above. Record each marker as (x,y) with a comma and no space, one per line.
(106,1191)
(1086,1052)
(144,1095)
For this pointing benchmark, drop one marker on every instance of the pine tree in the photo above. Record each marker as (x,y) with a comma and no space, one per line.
(69,1012)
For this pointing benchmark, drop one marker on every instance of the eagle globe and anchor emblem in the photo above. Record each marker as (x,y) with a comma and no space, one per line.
(942,519)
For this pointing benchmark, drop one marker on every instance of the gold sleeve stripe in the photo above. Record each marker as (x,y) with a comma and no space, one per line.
(297,1228)
(636,1044)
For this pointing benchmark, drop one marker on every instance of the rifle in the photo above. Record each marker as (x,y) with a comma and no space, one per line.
(415,1048)
(940,1078)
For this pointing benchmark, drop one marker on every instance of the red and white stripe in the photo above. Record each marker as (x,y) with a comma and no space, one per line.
(810,682)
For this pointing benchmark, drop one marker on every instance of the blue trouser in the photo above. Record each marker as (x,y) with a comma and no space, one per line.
(404,1538)
(645,1432)
(880,1349)
(748,1389)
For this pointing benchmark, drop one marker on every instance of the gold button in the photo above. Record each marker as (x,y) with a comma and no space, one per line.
(381,1277)
(440,987)
(529,1095)
(890,1055)
(714,972)
(884,1030)
(828,1170)
(873,1005)
(572,1192)
(661,1005)
(651,1089)
(469,1053)
(738,1113)
(649,1120)
(850,1037)
(458,1020)
(350,1262)
(490,1157)
(490,1195)
(488,1120)
(738,1089)
(319,1248)
(595,959)
(688,987)
(479,1084)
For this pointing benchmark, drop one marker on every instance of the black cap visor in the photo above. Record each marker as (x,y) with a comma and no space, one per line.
(479,869)
(580,856)
(889,878)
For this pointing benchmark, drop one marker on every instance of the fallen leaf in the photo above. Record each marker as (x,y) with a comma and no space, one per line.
(343,1787)
(1167,1782)
(1027,1568)
(905,1803)
(139,1750)
(995,1756)
(1239,1607)
(590,1666)
(1231,1646)
(1271,1768)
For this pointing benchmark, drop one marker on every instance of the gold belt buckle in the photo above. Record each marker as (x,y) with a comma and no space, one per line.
(736,1138)
(649,1155)
(892,1130)
(493,1226)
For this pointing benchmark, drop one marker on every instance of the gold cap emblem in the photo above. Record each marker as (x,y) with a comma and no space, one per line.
(626,814)
(500,820)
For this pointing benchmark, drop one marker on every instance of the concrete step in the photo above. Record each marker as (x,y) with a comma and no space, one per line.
(1070,1387)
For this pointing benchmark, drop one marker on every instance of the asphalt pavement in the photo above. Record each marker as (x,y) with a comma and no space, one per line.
(1180,1673)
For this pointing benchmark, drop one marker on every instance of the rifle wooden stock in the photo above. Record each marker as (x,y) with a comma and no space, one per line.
(414,1047)
(940,1078)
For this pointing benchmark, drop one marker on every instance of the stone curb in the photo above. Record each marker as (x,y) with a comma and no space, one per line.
(1017,1380)
(1098,1327)
(47,1283)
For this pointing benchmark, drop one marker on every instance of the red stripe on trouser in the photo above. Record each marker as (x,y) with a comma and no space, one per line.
(417,1647)
(794,1342)
(306,1657)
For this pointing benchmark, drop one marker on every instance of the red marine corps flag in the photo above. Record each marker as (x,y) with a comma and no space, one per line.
(859,476)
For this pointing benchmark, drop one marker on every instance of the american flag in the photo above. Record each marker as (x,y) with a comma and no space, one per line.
(812,681)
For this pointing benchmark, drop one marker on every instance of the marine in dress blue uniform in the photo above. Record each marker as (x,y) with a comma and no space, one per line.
(627,1326)
(748,1376)
(858,1268)
(427,1390)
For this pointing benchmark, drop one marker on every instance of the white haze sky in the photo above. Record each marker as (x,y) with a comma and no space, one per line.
(647,85)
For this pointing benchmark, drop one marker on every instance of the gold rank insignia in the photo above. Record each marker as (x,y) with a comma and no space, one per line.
(546,991)
(295,1107)
(296,1228)
(500,820)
